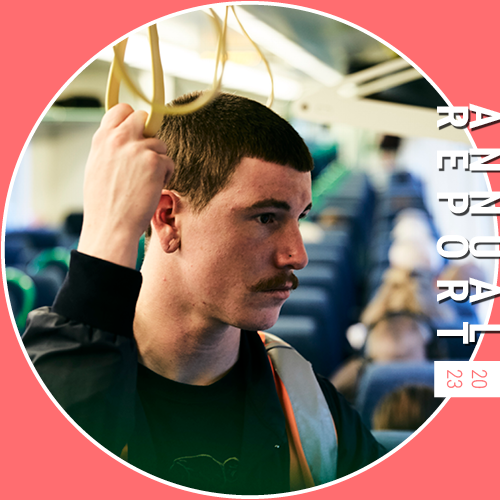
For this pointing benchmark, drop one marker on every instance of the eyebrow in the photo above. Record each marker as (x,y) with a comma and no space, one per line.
(274,203)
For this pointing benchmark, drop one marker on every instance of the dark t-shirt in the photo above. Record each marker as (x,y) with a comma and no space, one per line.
(202,449)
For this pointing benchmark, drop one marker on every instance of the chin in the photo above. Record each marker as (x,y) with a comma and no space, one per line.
(259,320)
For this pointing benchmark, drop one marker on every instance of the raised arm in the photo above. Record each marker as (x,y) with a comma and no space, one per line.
(83,347)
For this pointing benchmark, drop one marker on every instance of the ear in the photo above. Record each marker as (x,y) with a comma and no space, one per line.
(165,222)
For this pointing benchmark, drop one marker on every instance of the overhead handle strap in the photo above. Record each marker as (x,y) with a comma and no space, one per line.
(118,73)
(270,99)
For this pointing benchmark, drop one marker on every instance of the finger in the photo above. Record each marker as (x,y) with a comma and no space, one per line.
(156,145)
(170,165)
(137,121)
(164,168)
(116,115)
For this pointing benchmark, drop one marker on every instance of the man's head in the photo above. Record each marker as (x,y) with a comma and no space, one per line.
(206,146)
(229,216)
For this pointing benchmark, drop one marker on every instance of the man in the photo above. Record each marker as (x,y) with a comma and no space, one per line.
(171,374)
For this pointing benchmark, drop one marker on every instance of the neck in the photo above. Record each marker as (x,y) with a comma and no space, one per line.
(173,340)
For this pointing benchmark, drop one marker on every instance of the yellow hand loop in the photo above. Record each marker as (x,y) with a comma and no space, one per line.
(118,72)
(270,99)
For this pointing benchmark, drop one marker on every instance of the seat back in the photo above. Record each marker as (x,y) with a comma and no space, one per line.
(381,379)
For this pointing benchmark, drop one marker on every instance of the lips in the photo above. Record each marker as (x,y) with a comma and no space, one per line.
(280,283)
(285,288)
(278,293)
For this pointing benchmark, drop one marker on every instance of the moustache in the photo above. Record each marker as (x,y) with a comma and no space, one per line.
(276,282)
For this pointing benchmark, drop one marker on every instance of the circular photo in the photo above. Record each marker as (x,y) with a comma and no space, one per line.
(221,249)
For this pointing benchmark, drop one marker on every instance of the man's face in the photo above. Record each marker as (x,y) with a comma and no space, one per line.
(237,255)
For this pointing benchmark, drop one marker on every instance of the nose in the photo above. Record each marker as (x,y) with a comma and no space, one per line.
(292,253)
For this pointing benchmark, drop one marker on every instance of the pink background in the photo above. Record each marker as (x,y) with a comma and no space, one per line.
(43,44)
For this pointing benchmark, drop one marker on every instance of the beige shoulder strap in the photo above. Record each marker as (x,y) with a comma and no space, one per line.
(305,405)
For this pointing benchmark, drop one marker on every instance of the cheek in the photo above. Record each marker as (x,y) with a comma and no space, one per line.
(228,257)
(218,265)
(231,271)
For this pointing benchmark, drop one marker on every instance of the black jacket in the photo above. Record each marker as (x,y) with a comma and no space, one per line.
(84,350)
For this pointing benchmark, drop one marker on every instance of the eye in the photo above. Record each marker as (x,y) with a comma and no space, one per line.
(266,218)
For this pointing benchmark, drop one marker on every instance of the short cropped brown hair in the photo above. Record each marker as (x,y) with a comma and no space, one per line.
(207,145)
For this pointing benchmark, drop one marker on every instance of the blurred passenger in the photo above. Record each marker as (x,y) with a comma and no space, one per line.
(417,256)
(405,291)
(406,408)
(398,338)
(414,245)
(389,147)
(413,292)
(411,222)
(394,338)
